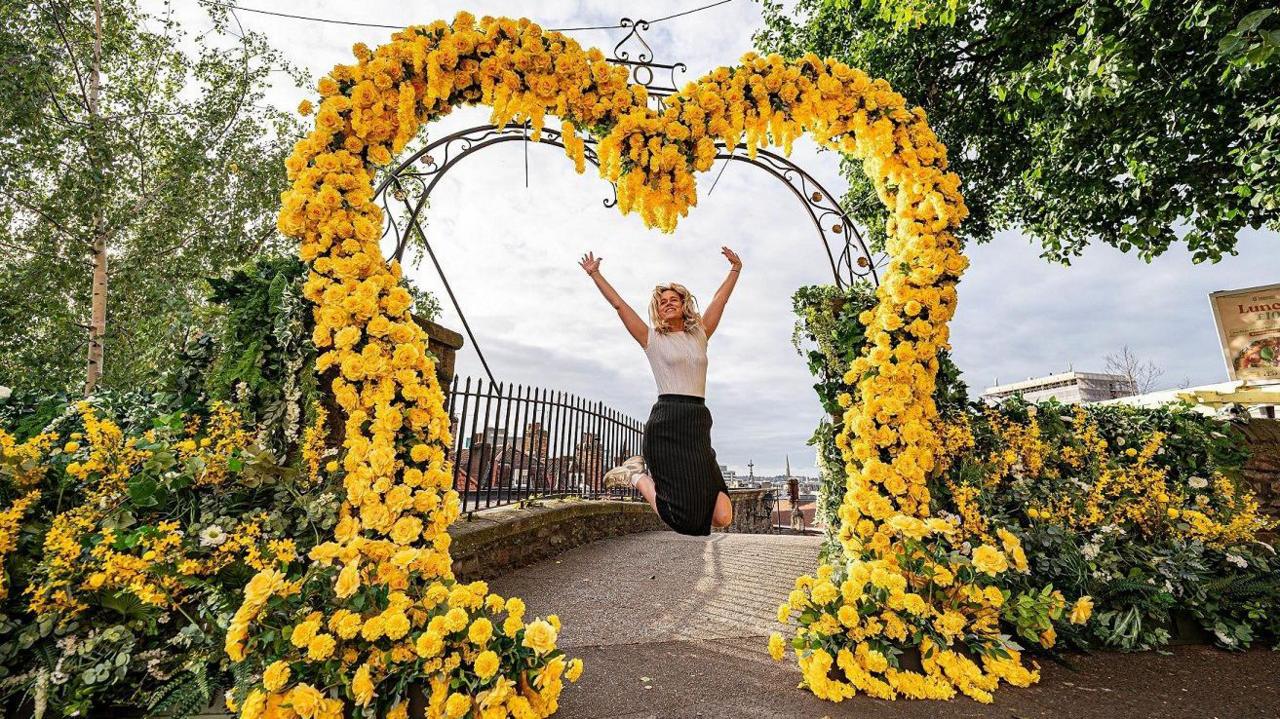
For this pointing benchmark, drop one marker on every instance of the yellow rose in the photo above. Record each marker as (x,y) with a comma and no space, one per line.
(321,647)
(348,580)
(306,700)
(362,686)
(374,627)
(303,633)
(480,632)
(1048,637)
(429,644)
(457,705)
(777,648)
(950,624)
(486,664)
(455,619)
(539,636)
(406,530)
(276,675)
(349,625)
(254,705)
(395,624)
(988,559)
(1082,610)
(574,671)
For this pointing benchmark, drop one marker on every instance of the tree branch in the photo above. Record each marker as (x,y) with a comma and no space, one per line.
(71,54)
(44,216)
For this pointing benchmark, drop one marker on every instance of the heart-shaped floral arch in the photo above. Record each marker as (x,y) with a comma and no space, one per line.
(377,612)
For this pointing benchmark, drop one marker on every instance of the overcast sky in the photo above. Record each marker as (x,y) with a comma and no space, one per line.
(510,252)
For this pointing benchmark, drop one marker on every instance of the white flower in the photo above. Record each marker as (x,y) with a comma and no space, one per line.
(58,677)
(1031,410)
(5,392)
(1197,483)
(1090,551)
(1238,560)
(212,536)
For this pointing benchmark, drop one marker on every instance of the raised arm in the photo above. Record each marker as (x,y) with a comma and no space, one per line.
(636,326)
(715,310)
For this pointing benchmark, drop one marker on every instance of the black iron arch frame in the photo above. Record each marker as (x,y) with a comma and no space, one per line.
(404,191)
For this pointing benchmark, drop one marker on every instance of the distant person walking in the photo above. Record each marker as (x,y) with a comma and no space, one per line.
(677,471)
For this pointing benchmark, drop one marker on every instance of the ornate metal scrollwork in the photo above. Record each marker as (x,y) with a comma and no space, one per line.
(658,78)
(404,191)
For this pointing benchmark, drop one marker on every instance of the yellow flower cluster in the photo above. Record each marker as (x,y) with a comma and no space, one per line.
(22,462)
(395,433)
(392,604)
(83,553)
(10,520)
(852,614)
(1127,487)
(314,448)
(903,574)
(224,437)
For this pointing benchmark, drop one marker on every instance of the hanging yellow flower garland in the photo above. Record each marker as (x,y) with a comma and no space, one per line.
(378,605)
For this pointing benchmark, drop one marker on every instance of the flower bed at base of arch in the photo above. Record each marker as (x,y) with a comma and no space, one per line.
(376,611)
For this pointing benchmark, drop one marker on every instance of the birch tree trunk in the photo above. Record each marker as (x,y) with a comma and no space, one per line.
(98,317)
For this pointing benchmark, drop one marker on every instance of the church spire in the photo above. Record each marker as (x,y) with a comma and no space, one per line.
(788,466)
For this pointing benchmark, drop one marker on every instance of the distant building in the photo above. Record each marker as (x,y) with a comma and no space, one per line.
(1068,387)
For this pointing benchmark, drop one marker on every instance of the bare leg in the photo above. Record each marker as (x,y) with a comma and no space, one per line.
(644,485)
(723,514)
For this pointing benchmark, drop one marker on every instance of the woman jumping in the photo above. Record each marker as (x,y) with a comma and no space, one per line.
(677,471)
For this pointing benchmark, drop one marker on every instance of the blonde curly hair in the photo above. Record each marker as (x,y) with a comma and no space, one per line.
(692,317)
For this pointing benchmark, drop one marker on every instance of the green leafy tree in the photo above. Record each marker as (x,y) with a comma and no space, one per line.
(136,158)
(1138,124)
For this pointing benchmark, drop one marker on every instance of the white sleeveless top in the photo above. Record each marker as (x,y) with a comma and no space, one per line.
(679,361)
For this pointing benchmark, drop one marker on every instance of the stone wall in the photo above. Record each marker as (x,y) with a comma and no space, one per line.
(751,513)
(444,343)
(1262,471)
(500,540)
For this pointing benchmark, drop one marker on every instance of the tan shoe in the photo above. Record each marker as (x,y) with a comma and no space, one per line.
(625,475)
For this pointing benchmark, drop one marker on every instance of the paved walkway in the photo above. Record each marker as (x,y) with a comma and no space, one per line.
(674,627)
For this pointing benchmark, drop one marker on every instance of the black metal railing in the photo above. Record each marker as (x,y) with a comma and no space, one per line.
(514,442)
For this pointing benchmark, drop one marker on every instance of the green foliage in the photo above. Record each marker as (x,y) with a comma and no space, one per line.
(827,317)
(914,13)
(1137,124)
(123,648)
(265,365)
(183,695)
(829,336)
(1142,575)
(179,172)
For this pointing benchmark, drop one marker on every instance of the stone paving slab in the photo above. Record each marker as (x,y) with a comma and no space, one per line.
(662,586)
(674,627)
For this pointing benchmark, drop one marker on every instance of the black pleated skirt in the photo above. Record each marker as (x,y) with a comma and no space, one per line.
(677,452)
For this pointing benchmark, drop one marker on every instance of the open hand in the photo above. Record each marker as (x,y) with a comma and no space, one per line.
(590,263)
(735,262)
